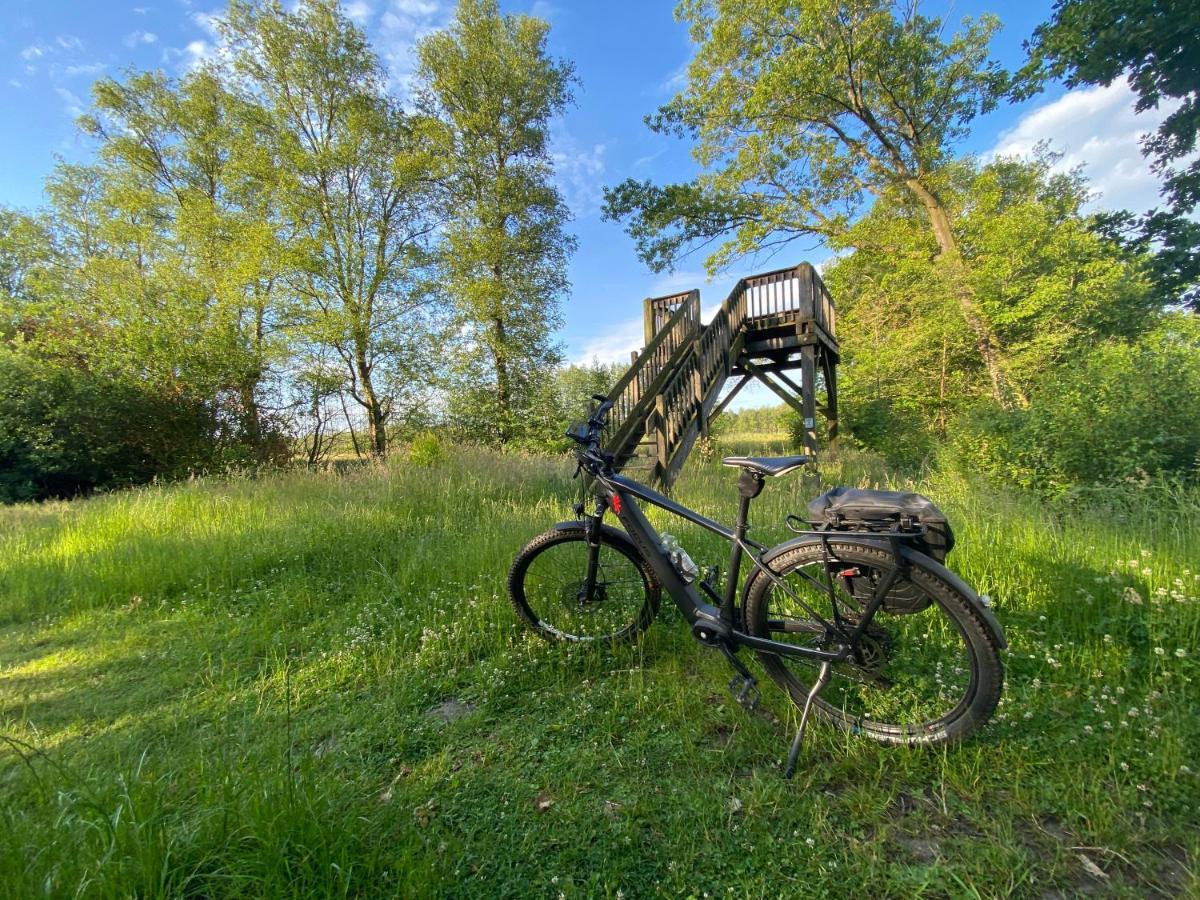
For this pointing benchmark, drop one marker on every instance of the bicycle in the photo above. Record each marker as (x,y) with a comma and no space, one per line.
(909,649)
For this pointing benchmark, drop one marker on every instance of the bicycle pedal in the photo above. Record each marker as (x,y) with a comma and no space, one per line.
(745,692)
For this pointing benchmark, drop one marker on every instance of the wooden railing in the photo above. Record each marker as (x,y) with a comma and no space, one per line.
(633,396)
(795,293)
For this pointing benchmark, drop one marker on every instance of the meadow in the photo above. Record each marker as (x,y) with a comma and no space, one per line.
(311,684)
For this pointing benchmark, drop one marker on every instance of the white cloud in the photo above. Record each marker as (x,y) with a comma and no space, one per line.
(359,11)
(208,21)
(33,51)
(614,345)
(136,38)
(675,80)
(198,52)
(543,9)
(83,69)
(69,42)
(579,173)
(1098,129)
(14,83)
(72,105)
(402,25)
(140,10)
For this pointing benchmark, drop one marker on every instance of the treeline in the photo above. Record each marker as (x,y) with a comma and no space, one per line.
(273,253)
(985,316)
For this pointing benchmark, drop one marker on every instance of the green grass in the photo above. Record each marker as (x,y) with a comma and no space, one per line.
(222,688)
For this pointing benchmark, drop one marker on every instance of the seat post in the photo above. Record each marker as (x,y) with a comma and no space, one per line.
(750,485)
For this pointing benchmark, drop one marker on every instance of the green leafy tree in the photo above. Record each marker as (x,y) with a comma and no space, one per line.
(491,85)
(356,195)
(188,158)
(803,112)
(1153,44)
(1051,286)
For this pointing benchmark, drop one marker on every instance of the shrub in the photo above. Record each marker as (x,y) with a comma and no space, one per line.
(1126,410)
(65,431)
(426,450)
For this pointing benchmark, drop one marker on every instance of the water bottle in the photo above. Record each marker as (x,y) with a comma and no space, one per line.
(683,564)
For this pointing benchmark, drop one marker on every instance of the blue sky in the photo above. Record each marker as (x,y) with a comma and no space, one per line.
(629,55)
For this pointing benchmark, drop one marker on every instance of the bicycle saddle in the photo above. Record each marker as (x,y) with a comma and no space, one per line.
(766,465)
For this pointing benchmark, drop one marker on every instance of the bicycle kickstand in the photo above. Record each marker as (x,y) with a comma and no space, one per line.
(818,686)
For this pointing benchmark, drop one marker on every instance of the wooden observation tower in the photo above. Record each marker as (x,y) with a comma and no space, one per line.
(777,327)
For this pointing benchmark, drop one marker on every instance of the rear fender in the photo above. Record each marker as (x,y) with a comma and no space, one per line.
(913,556)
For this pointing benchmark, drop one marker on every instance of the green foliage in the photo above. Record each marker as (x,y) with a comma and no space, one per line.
(65,431)
(801,111)
(1047,284)
(1151,43)
(426,450)
(1126,411)
(755,420)
(492,89)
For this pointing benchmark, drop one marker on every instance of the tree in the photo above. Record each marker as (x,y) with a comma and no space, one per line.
(494,90)
(192,156)
(805,111)
(1153,44)
(1050,284)
(356,195)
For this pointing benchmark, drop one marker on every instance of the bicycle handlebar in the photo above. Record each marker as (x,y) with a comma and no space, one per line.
(600,416)
(588,435)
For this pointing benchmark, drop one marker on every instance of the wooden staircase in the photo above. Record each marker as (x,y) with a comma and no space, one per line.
(769,324)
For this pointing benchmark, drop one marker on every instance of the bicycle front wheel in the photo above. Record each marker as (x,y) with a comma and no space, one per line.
(550,591)
(928,669)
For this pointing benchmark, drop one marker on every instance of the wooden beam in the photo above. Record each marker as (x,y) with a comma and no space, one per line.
(779,373)
(720,408)
(829,367)
(769,382)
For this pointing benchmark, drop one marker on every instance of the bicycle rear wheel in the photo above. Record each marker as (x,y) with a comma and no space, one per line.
(929,671)
(548,589)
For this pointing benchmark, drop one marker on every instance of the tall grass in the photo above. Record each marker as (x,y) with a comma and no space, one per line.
(224,688)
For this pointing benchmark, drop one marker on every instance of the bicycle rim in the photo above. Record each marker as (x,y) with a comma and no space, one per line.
(916,674)
(553,588)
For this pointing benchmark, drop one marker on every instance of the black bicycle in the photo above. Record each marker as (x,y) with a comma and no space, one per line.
(849,617)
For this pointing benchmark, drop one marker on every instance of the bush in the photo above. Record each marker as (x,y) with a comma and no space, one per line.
(895,430)
(1126,411)
(426,450)
(65,431)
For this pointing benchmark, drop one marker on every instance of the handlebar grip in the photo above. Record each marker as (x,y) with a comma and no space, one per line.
(601,414)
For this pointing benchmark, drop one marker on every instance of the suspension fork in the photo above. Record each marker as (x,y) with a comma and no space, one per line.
(587,595)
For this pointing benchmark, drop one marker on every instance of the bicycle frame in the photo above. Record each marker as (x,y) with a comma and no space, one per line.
(710,623)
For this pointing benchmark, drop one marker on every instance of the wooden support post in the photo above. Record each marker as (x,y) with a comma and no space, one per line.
(831,398)
(648,320)
(661,449)
(808,380)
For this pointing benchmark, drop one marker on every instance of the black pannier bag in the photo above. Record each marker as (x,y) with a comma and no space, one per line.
(859,509)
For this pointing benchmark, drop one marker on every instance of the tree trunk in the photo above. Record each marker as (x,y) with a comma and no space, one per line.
(990,351)
(503,388)
(376,420)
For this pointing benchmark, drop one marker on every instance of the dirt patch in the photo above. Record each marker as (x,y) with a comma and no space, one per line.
(450,711)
